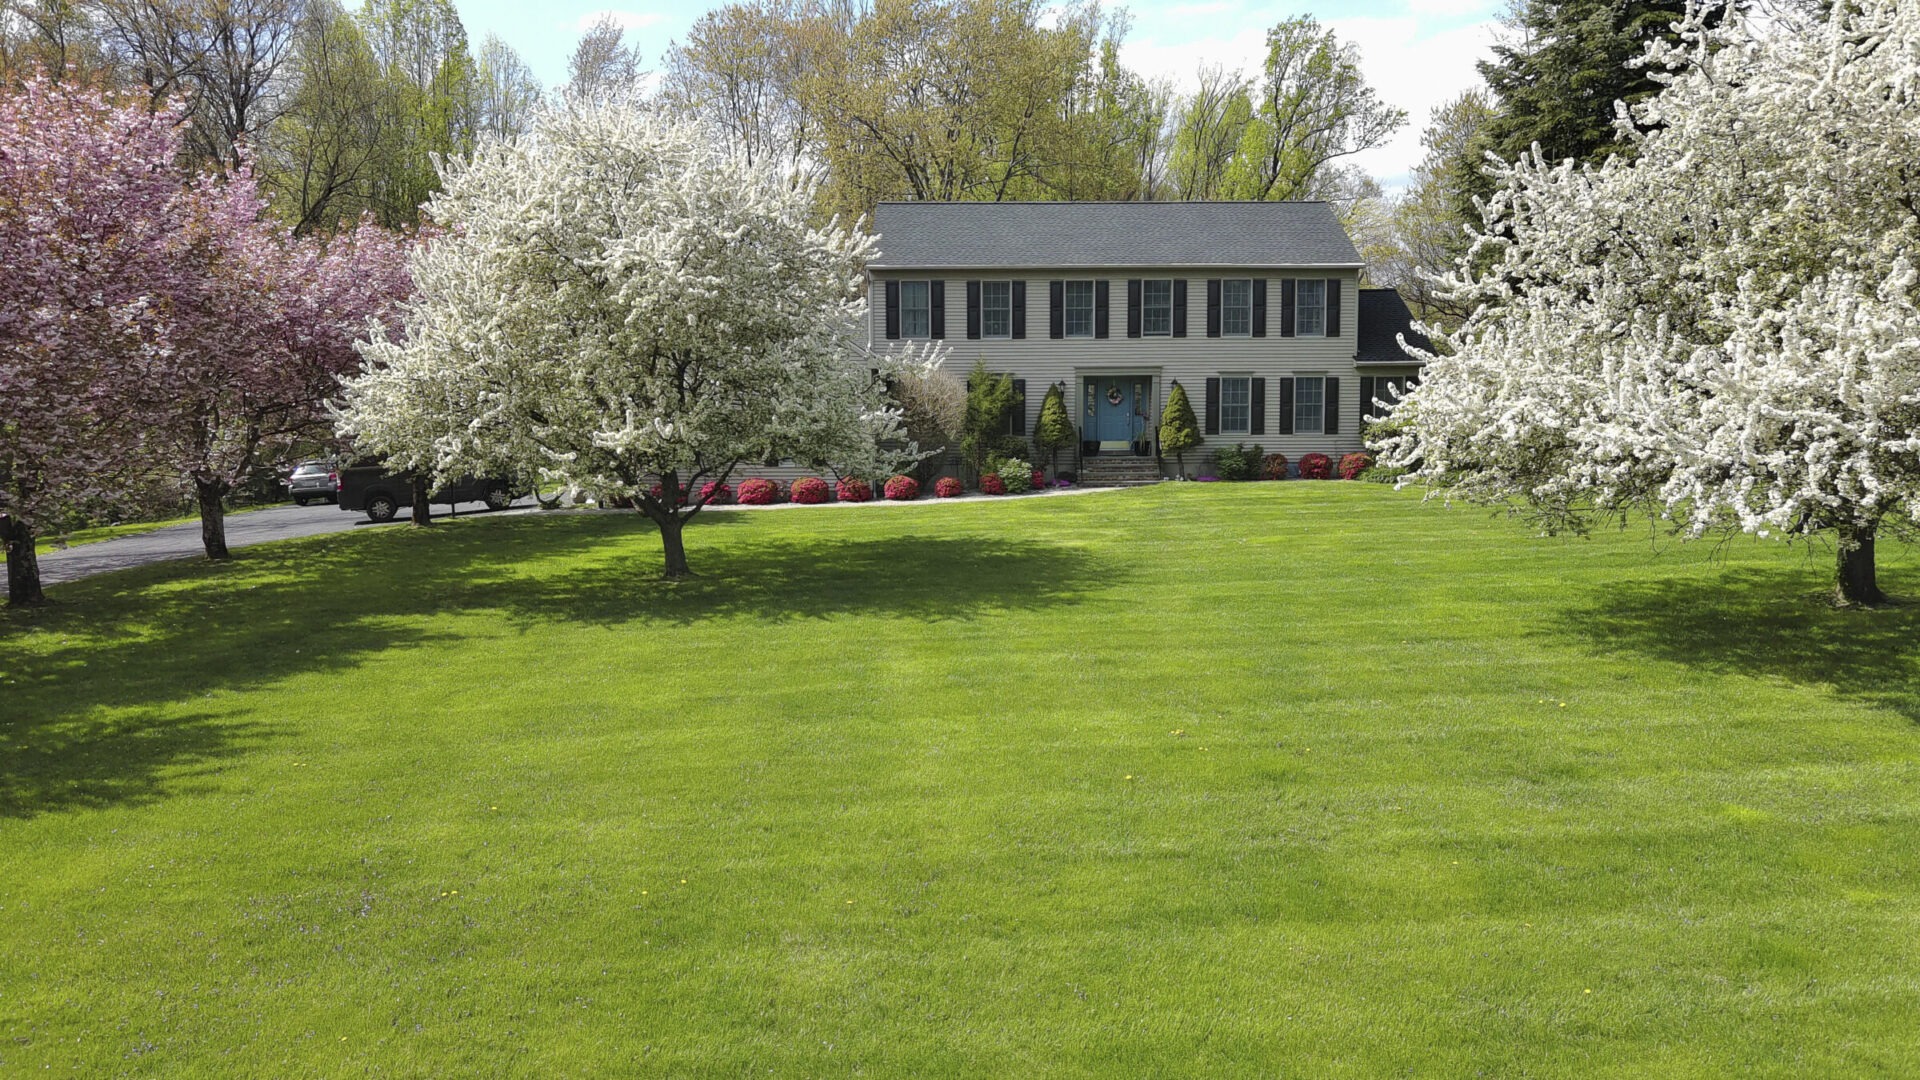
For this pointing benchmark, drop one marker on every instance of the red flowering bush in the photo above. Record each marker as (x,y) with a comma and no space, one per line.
(810,490)
(659,492)
(716,492)
(1316,467)
(851,490)
(947,487)
(1039,479)
(902,488)
(1352,465)
(758,492)
(1274,466)
(991,484)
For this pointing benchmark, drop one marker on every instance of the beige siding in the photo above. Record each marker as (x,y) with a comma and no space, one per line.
(1191,360)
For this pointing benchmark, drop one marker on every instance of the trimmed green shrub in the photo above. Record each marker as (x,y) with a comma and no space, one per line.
(1239,462)
(1055,431)
(1015,473)
(1179,428)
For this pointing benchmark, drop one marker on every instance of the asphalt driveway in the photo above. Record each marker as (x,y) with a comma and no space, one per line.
(183,541)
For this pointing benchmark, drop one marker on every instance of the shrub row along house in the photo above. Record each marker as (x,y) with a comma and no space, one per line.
(1254,307)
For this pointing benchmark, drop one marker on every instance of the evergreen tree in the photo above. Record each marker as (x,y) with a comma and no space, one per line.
(1556,82)
(1179,429)
(1055,431)
(989,398)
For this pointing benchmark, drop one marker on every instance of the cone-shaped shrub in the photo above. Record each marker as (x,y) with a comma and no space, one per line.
(1179,429)
(1054,432)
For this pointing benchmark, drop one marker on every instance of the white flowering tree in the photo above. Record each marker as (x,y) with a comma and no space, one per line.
(1722,330)
(615,304)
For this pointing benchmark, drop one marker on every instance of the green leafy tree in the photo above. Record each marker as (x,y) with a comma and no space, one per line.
(1556,79)
(1055,431)
(989,398)
(1179,428)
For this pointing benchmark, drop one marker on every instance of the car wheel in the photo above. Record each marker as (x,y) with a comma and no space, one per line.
(498,497)
(299,500)
(381,508)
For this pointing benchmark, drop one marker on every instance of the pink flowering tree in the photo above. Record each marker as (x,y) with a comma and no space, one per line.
(88,198)
(261,336)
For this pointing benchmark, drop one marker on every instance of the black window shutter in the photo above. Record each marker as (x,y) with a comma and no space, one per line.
(973,311)
(1019,420)
(1332,398)
(1259,307)
(1286,307)
(1213,307)
(1213,407)
(1100,308)
(1019,298)
(937,301)
(1285,426)
(1056,326)
(893,311)
(1333,307)
(1259,389)
(1179,307)
(1367,394)
(1133,307)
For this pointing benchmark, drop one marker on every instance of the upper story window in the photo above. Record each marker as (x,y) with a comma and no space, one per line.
(1078,307)
(1310,308)
(996,309)
(1309,404)
(1156,308)
(916,310)
(1236,404)
(1236,307)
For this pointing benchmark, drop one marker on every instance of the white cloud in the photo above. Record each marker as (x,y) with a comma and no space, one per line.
(1411,71)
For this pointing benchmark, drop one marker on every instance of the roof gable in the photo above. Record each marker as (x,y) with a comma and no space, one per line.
(1038,235)
(1383,314)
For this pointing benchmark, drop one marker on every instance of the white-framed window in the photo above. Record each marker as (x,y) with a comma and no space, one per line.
(1079,308)
(1310,308)
(1236,404)
(1156,308)
(1309,404)
(996,309)
(916,309)
(1236,307)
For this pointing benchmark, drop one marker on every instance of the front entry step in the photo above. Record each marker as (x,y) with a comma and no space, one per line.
(1119,471)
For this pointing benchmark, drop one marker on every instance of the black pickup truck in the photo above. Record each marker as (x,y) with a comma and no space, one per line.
(379,494)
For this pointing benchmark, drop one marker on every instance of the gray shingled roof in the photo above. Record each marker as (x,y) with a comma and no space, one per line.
(1038,235)
(1382,315)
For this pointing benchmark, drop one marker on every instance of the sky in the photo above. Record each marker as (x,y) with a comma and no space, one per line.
(1416,53)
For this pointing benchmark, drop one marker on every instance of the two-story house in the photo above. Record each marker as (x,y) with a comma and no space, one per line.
(1254,307)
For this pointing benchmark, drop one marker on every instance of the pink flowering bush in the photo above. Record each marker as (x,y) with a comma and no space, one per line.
(809,491)
(947,487)
(1274,467)
(903,488)
(851,490)
(1039,479)
(758,492)
(1316,467)
(1352,465)
(991,484)
(716,492)
(660,493)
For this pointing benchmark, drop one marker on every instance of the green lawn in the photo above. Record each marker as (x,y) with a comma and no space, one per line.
(93,534)
(1274,779)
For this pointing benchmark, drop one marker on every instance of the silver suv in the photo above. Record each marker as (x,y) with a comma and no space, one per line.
(313,480)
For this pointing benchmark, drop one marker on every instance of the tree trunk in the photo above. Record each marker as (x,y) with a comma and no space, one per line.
(676,549)
(1857,585)
(422,510)
(23,566)
(213,517)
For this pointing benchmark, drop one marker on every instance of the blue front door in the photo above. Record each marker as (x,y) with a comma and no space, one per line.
(1111,401)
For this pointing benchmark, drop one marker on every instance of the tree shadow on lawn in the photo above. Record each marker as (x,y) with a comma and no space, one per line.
(77,679)
(1762,623)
